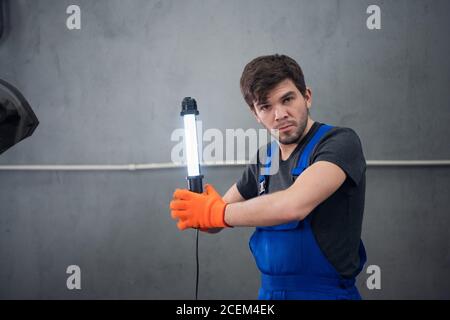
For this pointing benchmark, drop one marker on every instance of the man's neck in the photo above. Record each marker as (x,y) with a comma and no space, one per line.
(287,149)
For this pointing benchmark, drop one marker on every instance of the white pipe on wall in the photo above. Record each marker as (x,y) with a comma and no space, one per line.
(169,165)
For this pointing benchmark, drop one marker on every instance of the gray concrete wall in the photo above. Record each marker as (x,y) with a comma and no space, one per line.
(110,93)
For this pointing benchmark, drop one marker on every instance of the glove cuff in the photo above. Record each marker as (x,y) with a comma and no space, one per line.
(218,214)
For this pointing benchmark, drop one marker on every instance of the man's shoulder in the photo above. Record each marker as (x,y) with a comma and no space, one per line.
(340,141)
(338,130)
(341,134)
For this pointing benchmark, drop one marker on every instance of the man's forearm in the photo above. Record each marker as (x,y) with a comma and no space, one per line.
(268,210)
(312,187)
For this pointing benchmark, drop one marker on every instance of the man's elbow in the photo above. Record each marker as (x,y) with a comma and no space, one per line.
(298,209)
(298,212)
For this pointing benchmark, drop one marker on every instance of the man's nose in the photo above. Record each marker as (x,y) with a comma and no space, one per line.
(280,113)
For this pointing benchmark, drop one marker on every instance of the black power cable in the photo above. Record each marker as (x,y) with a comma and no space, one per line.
(196,255)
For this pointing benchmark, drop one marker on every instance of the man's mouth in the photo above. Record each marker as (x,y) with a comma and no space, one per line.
(286,127)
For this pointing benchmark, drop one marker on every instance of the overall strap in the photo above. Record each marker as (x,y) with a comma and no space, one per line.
(303,160)
(265,168)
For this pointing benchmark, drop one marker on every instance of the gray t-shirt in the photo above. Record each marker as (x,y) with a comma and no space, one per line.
(337,221)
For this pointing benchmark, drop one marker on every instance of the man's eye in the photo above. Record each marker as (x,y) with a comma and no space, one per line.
(288,99)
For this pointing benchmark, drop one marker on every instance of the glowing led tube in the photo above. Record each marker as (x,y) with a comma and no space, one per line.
(189,112)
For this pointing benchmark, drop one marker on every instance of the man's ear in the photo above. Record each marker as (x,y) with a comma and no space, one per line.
(308,97)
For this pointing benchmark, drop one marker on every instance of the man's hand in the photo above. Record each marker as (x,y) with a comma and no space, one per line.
(198,210)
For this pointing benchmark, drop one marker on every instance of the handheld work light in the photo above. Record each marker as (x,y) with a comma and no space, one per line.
(189,112)
(195,178)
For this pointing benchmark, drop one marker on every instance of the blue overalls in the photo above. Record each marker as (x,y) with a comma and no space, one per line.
(291,262)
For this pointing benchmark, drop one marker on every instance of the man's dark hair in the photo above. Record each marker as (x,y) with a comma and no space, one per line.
(264,73)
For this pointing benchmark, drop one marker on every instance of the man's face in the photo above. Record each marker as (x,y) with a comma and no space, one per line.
(285,109)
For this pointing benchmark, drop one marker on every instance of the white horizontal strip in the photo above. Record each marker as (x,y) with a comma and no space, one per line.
(169,165)
(406,163)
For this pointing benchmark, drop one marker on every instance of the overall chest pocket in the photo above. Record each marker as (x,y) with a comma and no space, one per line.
(278,249)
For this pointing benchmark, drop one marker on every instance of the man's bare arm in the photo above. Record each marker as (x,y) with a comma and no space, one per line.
(233,195)
(312,187)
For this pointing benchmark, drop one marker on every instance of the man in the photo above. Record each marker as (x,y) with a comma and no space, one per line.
(308,215)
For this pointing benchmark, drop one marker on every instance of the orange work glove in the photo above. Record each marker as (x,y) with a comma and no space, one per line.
(198,210)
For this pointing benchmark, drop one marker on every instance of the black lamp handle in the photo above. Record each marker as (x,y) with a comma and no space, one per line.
(195,184)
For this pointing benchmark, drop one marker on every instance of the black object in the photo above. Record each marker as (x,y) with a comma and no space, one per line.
(2,20)
(195,184)
(189,106)
(17,119)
